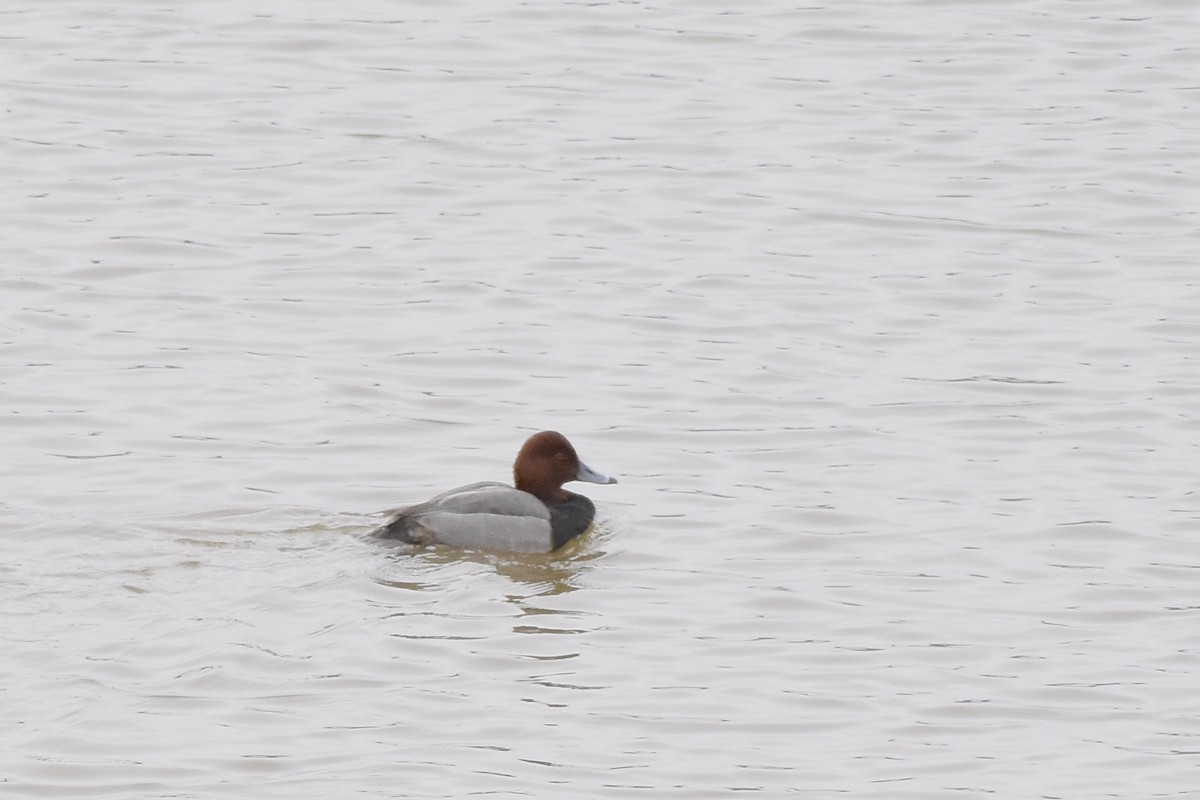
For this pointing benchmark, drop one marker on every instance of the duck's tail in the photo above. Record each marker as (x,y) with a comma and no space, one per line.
(405,528)
(400,529)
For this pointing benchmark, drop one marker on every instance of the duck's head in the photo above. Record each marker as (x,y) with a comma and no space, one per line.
(547,461)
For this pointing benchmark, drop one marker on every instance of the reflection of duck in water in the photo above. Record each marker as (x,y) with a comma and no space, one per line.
(537,516)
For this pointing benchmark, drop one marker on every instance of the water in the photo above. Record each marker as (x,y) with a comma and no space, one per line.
(883,313)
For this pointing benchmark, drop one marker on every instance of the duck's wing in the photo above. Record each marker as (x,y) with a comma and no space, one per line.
(487,497)
(484,515)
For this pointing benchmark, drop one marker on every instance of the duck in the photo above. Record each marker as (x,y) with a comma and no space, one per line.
(535,515)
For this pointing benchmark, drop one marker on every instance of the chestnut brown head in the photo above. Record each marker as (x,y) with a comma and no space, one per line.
(545,462)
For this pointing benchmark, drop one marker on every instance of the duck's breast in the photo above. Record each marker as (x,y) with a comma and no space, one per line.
(571,518)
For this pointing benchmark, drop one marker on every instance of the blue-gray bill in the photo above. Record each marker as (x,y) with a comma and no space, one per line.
(586,473)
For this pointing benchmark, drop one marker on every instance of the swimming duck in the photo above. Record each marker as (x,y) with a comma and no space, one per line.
(537,516)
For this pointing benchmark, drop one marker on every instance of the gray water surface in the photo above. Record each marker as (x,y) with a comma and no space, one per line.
(884,314)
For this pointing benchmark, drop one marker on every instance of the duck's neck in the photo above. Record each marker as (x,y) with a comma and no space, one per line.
(549,495)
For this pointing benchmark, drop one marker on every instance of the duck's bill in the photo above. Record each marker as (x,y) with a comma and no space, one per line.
(586,473)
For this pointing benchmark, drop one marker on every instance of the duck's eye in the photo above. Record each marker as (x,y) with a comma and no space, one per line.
(561,456)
